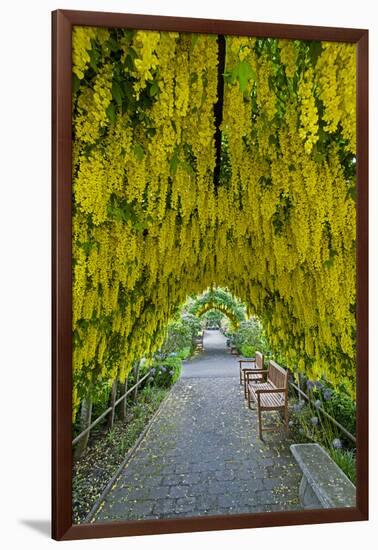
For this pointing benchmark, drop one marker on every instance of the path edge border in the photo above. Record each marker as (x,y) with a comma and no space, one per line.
(130,453)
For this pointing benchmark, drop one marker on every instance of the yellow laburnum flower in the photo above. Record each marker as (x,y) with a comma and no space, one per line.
(149,227)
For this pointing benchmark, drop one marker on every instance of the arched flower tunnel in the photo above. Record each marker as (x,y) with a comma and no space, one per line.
(219,300)
(153,224)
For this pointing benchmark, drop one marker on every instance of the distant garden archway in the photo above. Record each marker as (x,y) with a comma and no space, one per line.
(222,301)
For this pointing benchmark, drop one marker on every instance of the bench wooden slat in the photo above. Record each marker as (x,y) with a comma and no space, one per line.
(270,395)
(257,361)
(271,401)
(254,376)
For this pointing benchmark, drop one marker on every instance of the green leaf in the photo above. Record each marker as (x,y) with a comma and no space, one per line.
(227,77)
(132,52)
(140,226)
(75,83)
(128,90)
(129,62)
(154,89)
(315,51)
(88,149)
(113,44)
(88,246)
(195,37)
(95,57)
(129,59)
(175,161)
(242,72)
(117,92)
(139,151)
(352,192)
(187,167)
(273,140)
(111,112)
(265,181)
(246,73)
(151,132)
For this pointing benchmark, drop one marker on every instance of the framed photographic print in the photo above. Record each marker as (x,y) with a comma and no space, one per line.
(210,184)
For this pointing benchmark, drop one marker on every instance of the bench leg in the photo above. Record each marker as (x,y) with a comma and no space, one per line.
(245,385)
(252,403)
(260,417)
(240,375)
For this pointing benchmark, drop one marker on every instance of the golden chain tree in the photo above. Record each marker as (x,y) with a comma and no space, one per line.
(150,227)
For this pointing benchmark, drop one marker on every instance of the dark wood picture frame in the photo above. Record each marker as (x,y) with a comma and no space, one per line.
(62,527)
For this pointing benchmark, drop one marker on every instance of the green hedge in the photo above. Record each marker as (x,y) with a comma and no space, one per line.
(166,371)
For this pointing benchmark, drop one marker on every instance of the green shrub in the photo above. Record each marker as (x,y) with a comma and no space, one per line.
(166,371)
(247,350)
(346,460)
(184,353)
(308,424)
(343,409)
(249,338)
(337,404)
(179,336)
(193,323)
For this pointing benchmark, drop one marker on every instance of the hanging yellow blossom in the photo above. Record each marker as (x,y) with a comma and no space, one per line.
(150,226)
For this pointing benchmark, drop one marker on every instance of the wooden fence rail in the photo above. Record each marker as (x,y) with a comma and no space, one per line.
(109,410)
(324,413)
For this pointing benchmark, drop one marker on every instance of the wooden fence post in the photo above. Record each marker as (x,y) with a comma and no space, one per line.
(136,376)
(123,404)
(113,395)
(85,421)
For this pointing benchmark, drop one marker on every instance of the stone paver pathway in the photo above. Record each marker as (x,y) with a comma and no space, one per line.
(202,454)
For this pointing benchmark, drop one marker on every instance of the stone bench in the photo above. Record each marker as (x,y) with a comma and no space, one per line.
(323,484)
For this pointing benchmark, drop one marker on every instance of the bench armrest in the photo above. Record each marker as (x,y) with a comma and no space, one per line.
(247,360)
(258,371)
(247,372)
(273,390)
(253,371)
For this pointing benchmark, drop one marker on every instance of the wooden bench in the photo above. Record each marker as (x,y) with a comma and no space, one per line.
(249,373)
(199,342)
(323,484)
(271,395)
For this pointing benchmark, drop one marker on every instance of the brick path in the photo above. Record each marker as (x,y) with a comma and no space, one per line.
(202,454)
